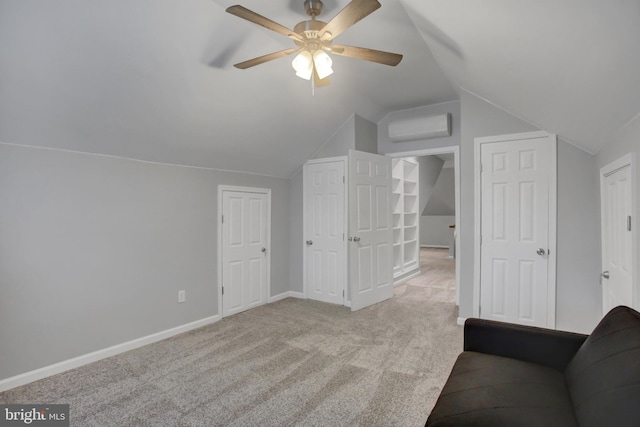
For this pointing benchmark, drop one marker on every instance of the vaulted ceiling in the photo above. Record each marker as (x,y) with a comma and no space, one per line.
(154,79)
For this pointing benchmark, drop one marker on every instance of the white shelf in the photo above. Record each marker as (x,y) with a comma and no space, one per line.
(405,205)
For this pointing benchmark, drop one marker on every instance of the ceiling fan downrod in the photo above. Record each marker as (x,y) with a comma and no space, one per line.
(313,8)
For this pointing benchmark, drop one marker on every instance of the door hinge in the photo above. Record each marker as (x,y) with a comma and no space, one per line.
(343,237)
(223,290)
(223,219)
(629,223)
(343,179)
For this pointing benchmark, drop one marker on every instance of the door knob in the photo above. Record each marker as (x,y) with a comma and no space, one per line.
(541,252)
(356,239)
(309,242)
(264,249)
(605,274)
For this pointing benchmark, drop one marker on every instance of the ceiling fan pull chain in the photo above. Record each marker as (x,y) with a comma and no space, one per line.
(313,85)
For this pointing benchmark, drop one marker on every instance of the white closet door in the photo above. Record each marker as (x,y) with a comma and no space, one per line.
(617,196)
(324,212)
(515,181)
(244,251)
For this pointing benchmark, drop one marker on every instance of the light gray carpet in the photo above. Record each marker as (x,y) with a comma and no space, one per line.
(294,362)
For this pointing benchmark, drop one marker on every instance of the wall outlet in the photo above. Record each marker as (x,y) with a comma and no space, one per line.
(182,296)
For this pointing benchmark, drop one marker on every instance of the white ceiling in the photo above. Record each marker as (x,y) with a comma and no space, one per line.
(570,67)
(153,79)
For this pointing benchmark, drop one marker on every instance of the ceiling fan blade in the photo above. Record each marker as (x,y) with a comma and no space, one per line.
(386,58)
(244,13)
(352,13)
(265,58)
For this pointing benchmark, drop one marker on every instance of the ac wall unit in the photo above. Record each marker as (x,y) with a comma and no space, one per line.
(420,128)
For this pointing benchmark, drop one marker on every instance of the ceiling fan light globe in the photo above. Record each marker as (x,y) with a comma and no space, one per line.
(322,63)
(303,64)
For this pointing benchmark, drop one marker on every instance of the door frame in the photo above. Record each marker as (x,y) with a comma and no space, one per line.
(266,191)
(553,217)
(455,149)
(346,300)
(626,160)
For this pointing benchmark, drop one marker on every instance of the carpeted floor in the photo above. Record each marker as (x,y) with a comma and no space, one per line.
(294,362)
(437,281)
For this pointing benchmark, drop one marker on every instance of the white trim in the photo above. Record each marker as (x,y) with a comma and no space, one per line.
(112,156)
(287,294)
(85,359)
(626,160)
(461,320)
(403,278)
(553,215)
(435,246)
(267,191)
(455,149)
(305,219)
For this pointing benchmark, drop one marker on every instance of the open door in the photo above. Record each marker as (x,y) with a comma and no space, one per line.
(370,229)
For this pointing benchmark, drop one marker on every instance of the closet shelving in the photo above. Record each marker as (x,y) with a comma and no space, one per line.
(405,210)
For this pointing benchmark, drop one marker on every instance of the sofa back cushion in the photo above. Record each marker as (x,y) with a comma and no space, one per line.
(604,376)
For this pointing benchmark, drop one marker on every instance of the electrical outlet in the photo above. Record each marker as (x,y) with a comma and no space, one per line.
(182,296)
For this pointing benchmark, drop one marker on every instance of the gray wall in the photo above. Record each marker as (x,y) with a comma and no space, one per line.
(341,142)
(578,292)
(296,209)
(577,198)
(435,231)
(366,135)
(386,146)
(626,141)
(443,200)
(94,250)
(429,168)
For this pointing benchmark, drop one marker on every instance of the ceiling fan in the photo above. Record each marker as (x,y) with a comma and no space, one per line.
(314,40)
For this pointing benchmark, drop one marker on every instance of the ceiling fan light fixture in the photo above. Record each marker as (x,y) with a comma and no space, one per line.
(322,62)
(303,64)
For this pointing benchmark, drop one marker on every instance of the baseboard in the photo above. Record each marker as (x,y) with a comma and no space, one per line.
(461,320)
(435,246)
(85,359)
(289,294)
(403,278)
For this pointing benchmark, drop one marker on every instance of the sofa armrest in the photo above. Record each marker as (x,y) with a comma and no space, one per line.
(548,347)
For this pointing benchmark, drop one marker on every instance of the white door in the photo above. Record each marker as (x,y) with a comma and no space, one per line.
(515,230)
(616,198)
(370,229)
(324,218)
(245,254)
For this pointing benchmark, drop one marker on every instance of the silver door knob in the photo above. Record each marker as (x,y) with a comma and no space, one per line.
(605,274)
(309,242)
(264,249)
(356,239)
(541,252)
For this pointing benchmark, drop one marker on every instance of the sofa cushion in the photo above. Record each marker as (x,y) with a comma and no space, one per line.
(604,375)
(488,390)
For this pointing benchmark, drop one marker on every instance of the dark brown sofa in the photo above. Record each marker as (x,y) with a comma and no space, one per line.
(511,375)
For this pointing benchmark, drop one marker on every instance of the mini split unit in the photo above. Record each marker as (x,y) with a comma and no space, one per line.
(420,128)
